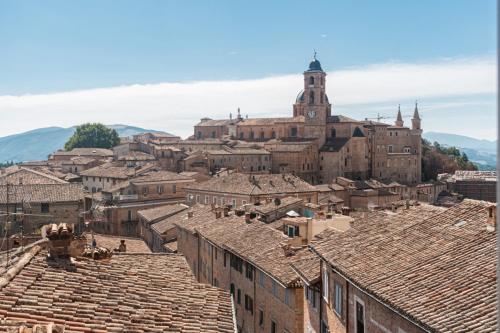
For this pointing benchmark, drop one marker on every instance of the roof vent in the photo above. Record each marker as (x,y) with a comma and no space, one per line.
(459,223)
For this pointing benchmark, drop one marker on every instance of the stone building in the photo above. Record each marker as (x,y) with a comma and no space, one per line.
(371,277)
(42,204)
(334,145)
(237,189)
(479,185)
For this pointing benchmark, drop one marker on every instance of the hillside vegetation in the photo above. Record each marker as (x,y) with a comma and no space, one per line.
(437,158)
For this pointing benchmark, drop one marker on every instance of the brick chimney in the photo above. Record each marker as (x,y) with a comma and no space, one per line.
(226,211)
(248,218)
(190,214)
(491,218)
(218,214)
(60,237)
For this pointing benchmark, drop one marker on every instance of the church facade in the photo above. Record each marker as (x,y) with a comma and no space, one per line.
(319,146)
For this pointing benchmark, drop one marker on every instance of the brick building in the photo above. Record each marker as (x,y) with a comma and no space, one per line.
(335,145)
(479,185)
(251,260)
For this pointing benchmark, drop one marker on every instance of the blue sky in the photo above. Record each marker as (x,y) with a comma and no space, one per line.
(49,47)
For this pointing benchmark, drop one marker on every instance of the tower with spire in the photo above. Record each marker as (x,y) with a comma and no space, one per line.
(416,121)
(399,119)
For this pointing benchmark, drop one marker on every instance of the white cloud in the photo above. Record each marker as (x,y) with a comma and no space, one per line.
(175,107)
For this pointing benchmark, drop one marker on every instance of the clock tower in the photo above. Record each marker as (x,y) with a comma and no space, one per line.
(312,102)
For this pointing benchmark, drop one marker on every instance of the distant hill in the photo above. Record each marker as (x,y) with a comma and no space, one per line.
(39,143)
(483,153)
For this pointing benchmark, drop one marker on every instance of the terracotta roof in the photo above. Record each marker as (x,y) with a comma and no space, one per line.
(239,183)
(136,156)
(134,245)
(307,265)
(79,160)
(216,122)
(267,208)
(437,267)
(255,242)
(161,212)
(120,172)
(42,193)
(128,292)
(160,176)
(334,144)
(270,121)
(86,152)
(287,147)
(23,175)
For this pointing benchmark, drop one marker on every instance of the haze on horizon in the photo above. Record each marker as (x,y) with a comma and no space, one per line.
(164,65)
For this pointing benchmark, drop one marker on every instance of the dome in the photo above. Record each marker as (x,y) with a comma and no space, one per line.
(315,65)
(300,97)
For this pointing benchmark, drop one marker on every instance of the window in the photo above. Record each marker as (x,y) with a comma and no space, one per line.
(338,299)
(216,283)
(333,133)
(293,132)
(174,188)
(214,200)
(287,296)
(238,297)
(129,215)
(390,148)
(44,207)
(325,285)
(311,97)
(273,135)
(145,190)
(241,135)
(248,303)
(311,80)
(237,263)
(262,278)
(275,289)
(213,134)
(274,327)
(232,289)
(159,189)
(360,317)
(249,271)
(261,318)
(233,203)
(206,199)
(198,199)
(407,149)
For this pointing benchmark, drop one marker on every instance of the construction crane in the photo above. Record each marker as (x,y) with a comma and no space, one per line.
(379,117)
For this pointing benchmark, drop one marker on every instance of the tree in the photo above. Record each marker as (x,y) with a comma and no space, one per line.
(93,136)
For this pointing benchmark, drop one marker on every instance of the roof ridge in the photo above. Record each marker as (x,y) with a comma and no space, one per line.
(18,266)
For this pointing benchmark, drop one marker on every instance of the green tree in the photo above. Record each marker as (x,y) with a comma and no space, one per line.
(93,136)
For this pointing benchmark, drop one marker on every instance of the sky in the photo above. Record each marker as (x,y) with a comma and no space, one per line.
(165,64)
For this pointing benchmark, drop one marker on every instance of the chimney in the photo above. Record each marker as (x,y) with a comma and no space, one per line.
(346,211)
(407,203)
(60,237)
(218,214)
(492,218)
(122,247)
(190,214)
(226,211)
(309,229)
(248,218)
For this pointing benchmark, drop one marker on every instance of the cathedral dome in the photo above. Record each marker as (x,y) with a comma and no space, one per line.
(315,65)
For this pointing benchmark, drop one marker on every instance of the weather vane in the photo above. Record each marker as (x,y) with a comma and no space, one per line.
(314,54)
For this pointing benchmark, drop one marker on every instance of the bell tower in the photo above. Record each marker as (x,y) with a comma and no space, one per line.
(312,102)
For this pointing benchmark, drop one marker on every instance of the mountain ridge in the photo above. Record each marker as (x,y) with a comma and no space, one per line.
(38,143)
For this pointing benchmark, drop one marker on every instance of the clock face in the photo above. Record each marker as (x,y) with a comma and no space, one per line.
(311,114)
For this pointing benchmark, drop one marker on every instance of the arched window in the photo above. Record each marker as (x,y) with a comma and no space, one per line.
(321,98)
(311,80)
(333,132)
(311,97)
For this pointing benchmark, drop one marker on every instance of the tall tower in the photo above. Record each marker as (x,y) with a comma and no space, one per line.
(399,119)
(416,121)
(416,134)
(312,102)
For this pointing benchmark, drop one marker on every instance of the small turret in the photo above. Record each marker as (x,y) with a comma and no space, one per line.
(399,119)
(415,121)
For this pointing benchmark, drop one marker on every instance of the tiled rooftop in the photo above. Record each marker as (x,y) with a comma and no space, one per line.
(434,265)
(160,212)
(134,245)
(42,193)
(254,184)
(85,152)
(126,293)
(158,176)
(21,175)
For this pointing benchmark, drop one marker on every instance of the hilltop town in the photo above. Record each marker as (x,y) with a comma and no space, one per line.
(315,222)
